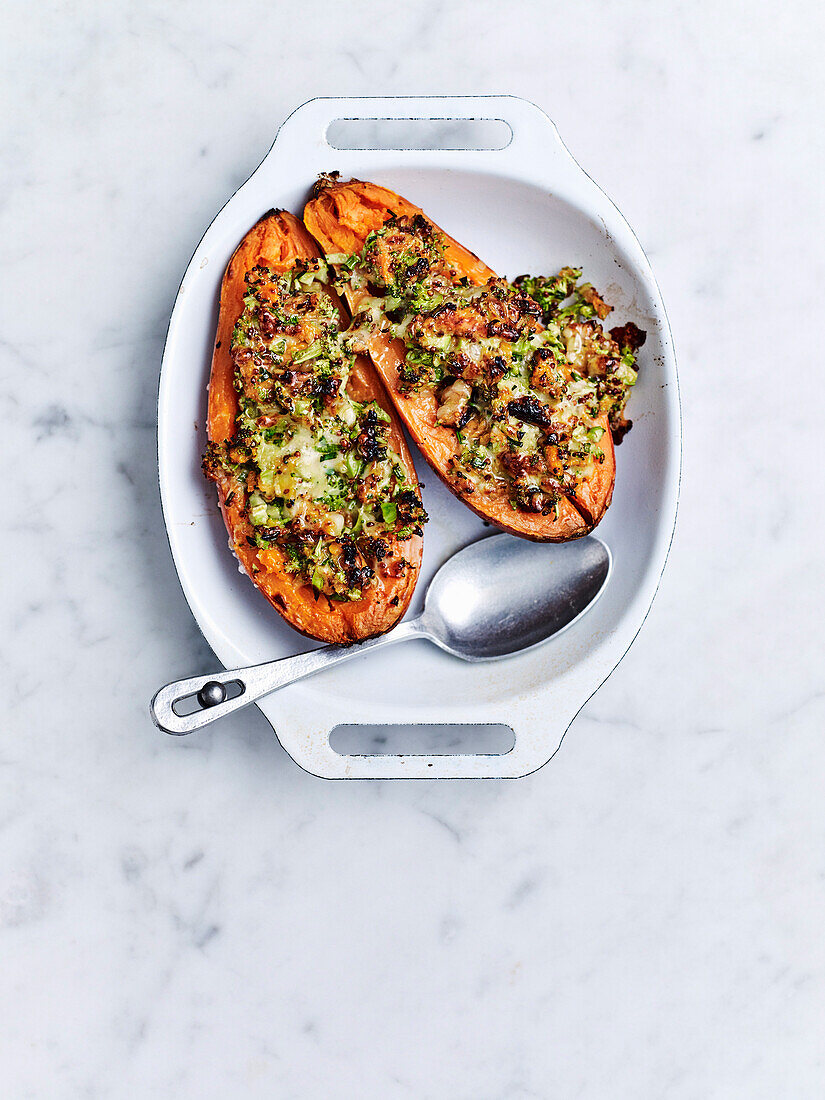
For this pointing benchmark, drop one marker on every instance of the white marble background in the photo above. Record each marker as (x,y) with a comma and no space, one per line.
(198,918)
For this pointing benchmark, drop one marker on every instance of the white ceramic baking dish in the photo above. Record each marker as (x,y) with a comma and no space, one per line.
(525,207)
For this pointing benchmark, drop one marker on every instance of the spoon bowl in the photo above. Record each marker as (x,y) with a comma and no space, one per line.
(501,595)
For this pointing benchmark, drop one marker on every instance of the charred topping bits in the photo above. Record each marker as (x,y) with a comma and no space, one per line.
(530,410)
(369,440)
(314,473)
(523,372)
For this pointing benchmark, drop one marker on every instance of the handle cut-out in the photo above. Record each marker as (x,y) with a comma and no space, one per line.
(423,739)
(419,133)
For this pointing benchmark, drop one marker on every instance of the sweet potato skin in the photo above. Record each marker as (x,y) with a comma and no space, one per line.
(340,217)
(277,241)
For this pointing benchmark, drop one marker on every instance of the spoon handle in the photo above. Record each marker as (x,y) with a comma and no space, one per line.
(210,702)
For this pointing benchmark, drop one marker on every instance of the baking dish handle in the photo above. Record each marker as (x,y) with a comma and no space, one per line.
(528,753)
(305,133)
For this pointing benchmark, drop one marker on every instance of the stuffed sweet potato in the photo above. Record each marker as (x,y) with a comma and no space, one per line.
(510,390)
(314,478)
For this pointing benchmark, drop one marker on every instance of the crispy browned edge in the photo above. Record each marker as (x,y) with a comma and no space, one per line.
(339,217)
(277,241)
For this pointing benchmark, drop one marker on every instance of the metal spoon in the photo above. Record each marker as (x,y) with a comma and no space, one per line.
(498,596)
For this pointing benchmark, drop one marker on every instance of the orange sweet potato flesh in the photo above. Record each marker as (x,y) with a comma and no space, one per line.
(276,242)
(339,218)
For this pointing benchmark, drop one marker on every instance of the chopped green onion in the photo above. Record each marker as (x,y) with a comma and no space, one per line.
(352,465)
(258,513)
(312,351)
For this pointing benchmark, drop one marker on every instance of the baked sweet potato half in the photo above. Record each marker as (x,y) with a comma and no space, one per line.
(314,478)
(509,389)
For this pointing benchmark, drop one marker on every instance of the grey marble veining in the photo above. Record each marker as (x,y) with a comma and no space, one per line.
(198,918)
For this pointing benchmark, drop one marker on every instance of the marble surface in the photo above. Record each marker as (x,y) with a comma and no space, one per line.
(198,918)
